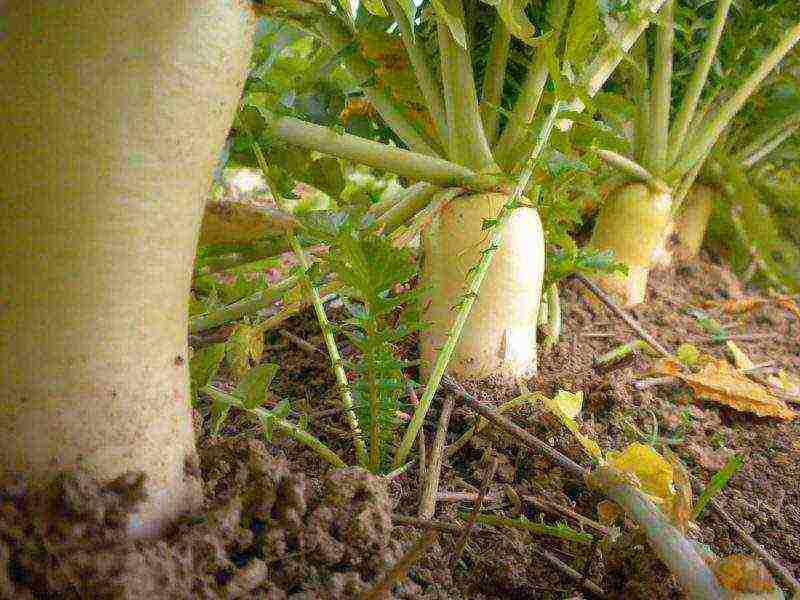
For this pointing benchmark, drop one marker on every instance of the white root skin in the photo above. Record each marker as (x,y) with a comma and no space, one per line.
(633,222)
(693,221)
(499,338)
(113,117)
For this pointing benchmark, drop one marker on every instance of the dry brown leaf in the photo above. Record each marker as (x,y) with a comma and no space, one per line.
(743,574)
(736,306)
(720,382)
(790,305)
(608,512)
(682,502)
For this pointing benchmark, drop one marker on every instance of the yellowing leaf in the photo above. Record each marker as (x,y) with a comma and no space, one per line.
(245,344)
(569,403)
(740,359)
(651,470)
(720,382)
(563,406)
(736,306)
(790,383)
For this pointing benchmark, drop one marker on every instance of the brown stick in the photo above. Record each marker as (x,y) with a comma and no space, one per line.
(300,342)
(751,543)
(473,516)
(427,504)
(629,320)
(384,585)
(549,557)
(515,430)
(540,503)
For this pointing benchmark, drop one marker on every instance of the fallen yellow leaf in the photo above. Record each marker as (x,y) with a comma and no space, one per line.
(740,359)
(790,383)
(720,382)
(566,406)
(737,306)
(651,470)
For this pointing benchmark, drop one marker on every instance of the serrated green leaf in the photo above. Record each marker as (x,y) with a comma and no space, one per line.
(584,25)
(204,366)
(254,385)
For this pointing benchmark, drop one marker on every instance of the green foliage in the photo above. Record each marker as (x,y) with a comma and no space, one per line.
(746,229)
(717,484)
(380,316)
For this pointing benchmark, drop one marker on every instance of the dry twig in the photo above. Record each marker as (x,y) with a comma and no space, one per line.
(427,504)
(473,516)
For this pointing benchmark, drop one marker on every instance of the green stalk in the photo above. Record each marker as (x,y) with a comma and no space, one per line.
(769,147)
(374,154)
(467,142)
(563,532)
(326,293)
(334,33)
(632,169)
(374,405)
(422,69)
(416,198)
(528,101)
(768,137)
(243,307)
(661,96)
(494,78)
(422,218)
(685,185)
(678,134)
(268,419)
(473,287)
(641,90)
(322,317)
(725,114)
(609,56)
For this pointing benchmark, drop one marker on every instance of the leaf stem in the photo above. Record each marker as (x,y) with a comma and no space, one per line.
(711,132)
(374,154)
(661,95)
(322,317)
(691,97)
(530,96)
(493,79)
(467,142)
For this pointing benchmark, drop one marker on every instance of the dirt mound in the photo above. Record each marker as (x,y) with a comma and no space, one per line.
(266,532)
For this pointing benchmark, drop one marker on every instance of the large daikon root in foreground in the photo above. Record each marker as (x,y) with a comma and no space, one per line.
(113,116)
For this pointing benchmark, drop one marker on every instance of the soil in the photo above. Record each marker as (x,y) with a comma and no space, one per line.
(278,523)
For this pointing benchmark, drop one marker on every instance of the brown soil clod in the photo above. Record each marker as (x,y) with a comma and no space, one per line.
(266,532)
